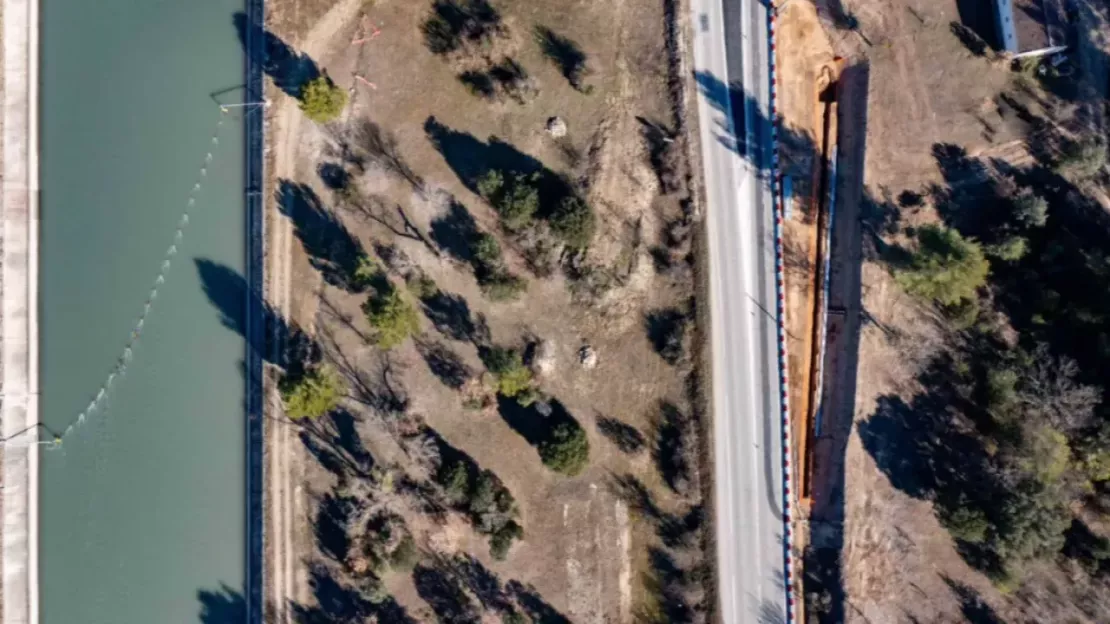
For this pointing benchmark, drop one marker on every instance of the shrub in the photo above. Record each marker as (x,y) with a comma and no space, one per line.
(366,271)
(627,438)
(1029,209)
(1012,249)
(313,394)
(486,249)
(502,539)
(404,557)
(963,315)
(566,450)
(423,287)
(513,377)
(322,100)
(503,286)
(455,479)
(1083,159)
(966,524)
(393,318)
(574,222)
(946,268)
(518,205)
(490,184)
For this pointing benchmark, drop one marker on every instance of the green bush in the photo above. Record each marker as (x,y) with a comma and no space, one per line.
(966,524)
(490,184)
(574,222)
(404,557)
(1030,210)
(322,100)
(503,286)
(313,394)
(423,287)
(963,315)
(455,479)
(393,318)
(1083,159)
(566,450)
(1011,249)
(502,539)
(366,271)
(486,250)
(517,207)
(946,268)
(513,377)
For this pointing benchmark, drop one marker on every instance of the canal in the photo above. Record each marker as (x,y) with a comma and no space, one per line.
(142,509)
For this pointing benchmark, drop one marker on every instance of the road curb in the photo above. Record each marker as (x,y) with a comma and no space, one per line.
(780,315)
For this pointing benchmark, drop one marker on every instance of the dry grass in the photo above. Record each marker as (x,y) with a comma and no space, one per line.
(583,549)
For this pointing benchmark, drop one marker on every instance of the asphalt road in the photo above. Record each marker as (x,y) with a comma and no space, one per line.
(731,65)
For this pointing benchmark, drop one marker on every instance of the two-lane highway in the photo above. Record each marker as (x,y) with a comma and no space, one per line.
(731,64)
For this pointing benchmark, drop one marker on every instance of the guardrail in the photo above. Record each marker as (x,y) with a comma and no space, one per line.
(780,311)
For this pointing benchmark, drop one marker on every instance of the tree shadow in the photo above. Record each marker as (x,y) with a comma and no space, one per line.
(334,442)
(975,610)
(289,69)
(363,143)
(731,101)
(380,390)
(666,329)
(222,606)
(471,158)
(444,363)
(331,247)
(627,438)
(339,603)
(531,422)
(333,517)
(675,530)
(673,447)
(969,38)
(978,19)
(445,595)
(456,25)
(565,53)
(227,290)
(455,231)
(450,314)
(533,604)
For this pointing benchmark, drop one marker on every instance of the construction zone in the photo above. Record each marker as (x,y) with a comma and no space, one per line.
(810,90)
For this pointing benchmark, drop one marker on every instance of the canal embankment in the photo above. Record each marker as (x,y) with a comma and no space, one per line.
(19,414)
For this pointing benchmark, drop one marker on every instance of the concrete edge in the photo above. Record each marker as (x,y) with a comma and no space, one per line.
(254,204)
(19,409)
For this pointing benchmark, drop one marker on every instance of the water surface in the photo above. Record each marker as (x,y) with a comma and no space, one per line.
(144,505)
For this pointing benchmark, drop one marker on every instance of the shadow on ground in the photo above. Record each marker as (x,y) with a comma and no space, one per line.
(289,69)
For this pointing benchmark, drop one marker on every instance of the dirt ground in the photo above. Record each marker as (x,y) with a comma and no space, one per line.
(584,549)
(910,83)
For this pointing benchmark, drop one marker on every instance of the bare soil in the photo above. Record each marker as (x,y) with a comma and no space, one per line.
(585,549)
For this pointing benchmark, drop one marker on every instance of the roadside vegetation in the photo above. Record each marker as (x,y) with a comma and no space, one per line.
(1009,435)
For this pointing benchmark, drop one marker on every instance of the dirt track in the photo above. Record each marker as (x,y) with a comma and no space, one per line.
(285,507)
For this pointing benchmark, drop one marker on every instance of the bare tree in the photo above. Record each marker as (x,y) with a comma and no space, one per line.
(1050,390)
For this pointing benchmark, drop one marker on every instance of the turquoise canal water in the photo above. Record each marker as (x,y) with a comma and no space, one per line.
(143,507)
